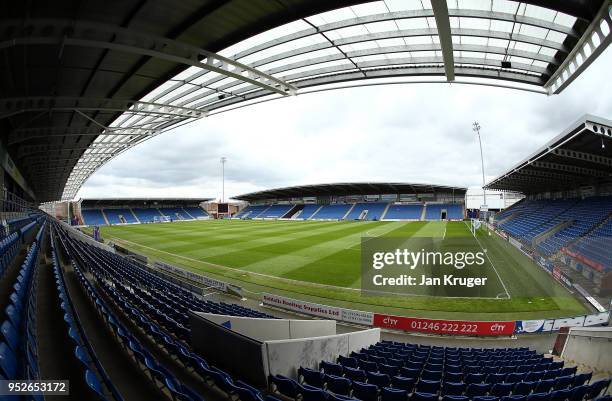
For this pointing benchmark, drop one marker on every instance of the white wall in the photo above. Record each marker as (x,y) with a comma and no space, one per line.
(286,356)
(274,329)
(590,346)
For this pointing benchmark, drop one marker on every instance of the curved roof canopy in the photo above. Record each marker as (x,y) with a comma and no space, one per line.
(350,188)
(579,156)
(91,203)
(82,82)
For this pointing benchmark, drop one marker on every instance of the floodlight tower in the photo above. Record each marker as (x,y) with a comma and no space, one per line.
(223,161)
(476,128)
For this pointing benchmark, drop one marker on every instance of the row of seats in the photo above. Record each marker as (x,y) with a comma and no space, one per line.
(595,247)
(174,346)
(251,211)
(159,374)
(162,293)
(84,355)
(586,215)
(528,220)
(276,211)
(358,211)
(341,389)
(538,213)
(370,211)
(392,371)
(15,224)
(434,211)
(9,246)
(404,212)
(18,347)
(135,215)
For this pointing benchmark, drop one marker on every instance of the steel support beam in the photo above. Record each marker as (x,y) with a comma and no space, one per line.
(588,172)
(62,33)
(440,10)
(583,156)
(13,106)
(590,46)
(408,14)
(25,134)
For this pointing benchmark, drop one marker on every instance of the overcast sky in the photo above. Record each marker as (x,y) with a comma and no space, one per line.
(402,133)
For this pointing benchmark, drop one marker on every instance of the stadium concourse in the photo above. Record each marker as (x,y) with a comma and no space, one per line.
(82,82)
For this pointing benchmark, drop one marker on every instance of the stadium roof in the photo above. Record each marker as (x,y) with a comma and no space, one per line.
(81,84)
(580,156)
(132,202)
(347,188)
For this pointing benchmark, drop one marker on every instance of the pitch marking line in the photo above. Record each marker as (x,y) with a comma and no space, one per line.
(492,265)
(269,276)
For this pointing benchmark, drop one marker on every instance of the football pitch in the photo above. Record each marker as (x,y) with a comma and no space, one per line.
(320,261)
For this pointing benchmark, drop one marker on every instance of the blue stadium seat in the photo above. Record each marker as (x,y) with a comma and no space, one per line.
(523,388)
(94,384)
(544,386)
(338,385)
(453,388)
(423,397)
(331,368)
(560,395)
(501,389)
(284,385)
(428,386)
(596,388)
(392,394)
(8,362)
(450,397)
(310,393)
(477,389)
(403,383)
(379,379)
(312,377)
(355,374)
(10,335)
(338,397)
(347,361)
(539,397)
(365,392)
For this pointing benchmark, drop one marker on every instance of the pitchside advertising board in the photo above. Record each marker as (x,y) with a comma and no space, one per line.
(207,282)
(433,326)
(438,326)
(319,310)
(549,325)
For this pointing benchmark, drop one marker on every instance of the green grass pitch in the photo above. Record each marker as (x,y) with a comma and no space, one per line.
(319,261)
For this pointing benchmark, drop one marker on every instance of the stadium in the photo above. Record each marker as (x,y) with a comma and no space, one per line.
(358,262)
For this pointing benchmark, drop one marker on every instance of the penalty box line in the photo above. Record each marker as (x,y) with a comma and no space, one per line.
(490,261)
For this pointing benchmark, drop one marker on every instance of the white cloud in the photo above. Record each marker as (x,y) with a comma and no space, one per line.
(411,133)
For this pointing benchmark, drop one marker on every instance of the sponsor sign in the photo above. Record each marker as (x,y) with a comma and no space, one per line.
(323,311)
(561,277)
(548,325)
(198,278)
(307,308)
(358,317)
(435,326)
(596,319)
(529,326)
(577,321)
